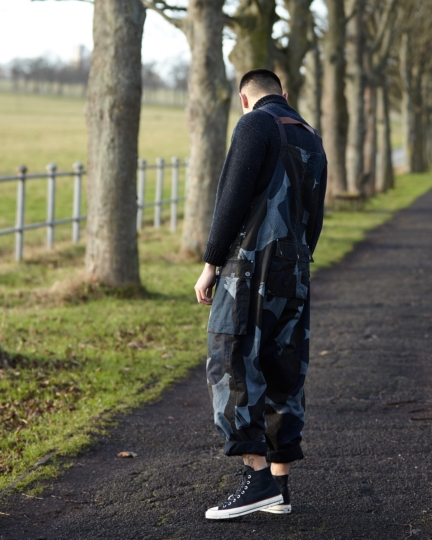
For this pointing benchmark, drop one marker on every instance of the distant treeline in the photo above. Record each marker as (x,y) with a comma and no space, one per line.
(44,75)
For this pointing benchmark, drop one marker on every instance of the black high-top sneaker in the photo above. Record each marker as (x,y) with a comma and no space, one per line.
(285,507)
(257,490)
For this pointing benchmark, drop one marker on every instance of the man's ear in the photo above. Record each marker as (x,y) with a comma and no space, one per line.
(285,95)
(244,100)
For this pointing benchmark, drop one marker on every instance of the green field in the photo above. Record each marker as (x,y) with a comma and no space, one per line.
(37,130)
(72,356)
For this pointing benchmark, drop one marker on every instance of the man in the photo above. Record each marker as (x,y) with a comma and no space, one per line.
(267,220)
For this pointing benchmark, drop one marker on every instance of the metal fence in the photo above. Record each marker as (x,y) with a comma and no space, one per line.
(77,174)
(167,97)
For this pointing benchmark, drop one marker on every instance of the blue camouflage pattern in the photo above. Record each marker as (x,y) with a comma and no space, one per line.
(259,322)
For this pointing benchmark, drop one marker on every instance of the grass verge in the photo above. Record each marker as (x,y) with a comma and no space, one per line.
(343,229)
(73,358)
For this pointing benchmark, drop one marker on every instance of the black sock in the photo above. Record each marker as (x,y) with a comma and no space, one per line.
(282,482)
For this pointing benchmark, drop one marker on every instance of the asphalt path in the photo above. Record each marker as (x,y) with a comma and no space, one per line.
(367,440)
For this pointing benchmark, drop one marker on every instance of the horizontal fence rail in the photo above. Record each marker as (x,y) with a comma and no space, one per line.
(21,178)
(150,96)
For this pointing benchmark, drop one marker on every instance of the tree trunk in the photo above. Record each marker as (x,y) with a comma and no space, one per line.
(381,31)
(253,25)
(407,101)
(313,80)
(207,114)
(385,175)
(335,116)
(289,60)
(113,112)
(370,149)
(418,156)
(412,110)
(355,84)
(428,117)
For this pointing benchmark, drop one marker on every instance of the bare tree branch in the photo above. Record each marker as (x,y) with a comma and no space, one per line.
(258,5)
(351,15)
(283,19)
(164,5)
(392,28)
(229,20)
(386,21)
(88,1)
(178,23)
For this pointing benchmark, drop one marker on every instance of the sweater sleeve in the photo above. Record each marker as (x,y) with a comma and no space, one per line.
(235,190)
(320,214)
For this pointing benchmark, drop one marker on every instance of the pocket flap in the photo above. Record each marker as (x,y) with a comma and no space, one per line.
(239,268)
(293,251)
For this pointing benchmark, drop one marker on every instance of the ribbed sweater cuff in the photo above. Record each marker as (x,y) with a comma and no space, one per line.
(214,255)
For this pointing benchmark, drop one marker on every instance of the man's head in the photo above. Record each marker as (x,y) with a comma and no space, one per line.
(256,84)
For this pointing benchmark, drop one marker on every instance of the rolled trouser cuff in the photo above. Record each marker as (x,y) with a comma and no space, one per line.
(285,456)
(238,448)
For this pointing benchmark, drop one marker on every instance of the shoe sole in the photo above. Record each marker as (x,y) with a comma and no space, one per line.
(278,509)
(214,513)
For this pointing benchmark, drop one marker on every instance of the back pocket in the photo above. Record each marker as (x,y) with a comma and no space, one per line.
(289,271)
(230,309)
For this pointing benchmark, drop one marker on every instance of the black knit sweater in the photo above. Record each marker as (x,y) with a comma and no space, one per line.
(248,169)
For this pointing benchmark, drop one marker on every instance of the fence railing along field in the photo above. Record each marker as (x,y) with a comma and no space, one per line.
(78,173)
(164,97)
(150,96)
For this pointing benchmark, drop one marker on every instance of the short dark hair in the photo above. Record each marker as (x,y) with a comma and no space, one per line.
(263,80)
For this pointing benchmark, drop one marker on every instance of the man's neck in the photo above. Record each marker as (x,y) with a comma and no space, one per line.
(269,98)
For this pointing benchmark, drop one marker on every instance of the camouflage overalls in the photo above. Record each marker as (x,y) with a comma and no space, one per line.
(259,322)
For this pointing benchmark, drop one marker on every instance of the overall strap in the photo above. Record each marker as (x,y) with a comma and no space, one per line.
(280,120)
(289,120)
(282,133)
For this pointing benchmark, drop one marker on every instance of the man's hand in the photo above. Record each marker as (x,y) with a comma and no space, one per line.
(205,284)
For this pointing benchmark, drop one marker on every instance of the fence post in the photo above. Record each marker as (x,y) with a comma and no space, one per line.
(174,192)
(19,234)
(142,164)
(78,168)
(51,168)
(159,192)
(186,175)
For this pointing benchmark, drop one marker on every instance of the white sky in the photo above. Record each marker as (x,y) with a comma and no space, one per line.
(30,29)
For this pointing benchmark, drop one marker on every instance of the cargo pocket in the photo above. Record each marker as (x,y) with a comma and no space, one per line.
(230,309)
(289,271)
